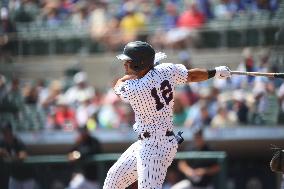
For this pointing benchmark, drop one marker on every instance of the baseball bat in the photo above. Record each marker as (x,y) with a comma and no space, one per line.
(275,75)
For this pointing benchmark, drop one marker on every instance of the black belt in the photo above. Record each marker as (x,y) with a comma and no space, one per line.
(146,134)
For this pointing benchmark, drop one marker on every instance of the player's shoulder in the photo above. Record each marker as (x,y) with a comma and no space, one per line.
(164,66)
(169,66)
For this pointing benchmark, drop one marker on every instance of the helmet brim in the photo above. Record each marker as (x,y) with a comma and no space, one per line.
(123,57)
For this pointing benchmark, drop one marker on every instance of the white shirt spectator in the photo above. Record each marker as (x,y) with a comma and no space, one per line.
(81,90)
(85,111)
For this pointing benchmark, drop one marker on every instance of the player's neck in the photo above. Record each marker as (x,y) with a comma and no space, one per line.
(143,73)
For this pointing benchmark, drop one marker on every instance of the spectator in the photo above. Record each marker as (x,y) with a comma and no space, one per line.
(248,63)
(64,116)
(240,107)
(198,116)
(50,14)
(263,62)
(192,116)
(132,23)
(98,21)
(200,173)
(80,16)
(112,36)
(211,98)
(185,58)
(158,10)
(84,147)
(85,112)
(11,99)
(31,95)
(188,23)
(205,118)
(12,148)
(81,90)
(163,34)
(65,8)
(49,96)
(192,18)
(267,105)
(224,118)
(226,9)
(205,7)
(180,112)
(126,114)
(188,95)
(25,12)
(7,36)
(259,5)
(42,88)
(109,115)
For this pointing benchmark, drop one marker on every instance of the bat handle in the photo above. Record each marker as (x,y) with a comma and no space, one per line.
(279,75)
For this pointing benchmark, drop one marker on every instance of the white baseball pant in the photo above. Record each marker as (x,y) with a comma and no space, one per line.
(146,160)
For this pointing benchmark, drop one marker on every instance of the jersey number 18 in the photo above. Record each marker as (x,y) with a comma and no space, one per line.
(167,94)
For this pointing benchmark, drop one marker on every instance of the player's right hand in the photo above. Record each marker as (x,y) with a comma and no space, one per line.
(222,72)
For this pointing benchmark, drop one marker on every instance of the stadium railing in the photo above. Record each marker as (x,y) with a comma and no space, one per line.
(243,30)
(42,162)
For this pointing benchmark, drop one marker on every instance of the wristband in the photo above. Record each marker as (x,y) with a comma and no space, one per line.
(211,73)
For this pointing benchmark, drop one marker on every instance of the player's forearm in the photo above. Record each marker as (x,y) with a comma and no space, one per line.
(198,74)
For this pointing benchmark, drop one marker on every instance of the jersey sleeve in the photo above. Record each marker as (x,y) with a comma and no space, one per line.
(123,91)
(180,73)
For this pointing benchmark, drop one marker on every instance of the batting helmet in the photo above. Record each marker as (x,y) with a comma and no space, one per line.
(140,53)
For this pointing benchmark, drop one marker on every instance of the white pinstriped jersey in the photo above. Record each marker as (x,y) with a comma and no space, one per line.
(151,97)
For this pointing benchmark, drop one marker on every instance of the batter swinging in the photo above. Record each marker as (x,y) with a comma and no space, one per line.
(150,89)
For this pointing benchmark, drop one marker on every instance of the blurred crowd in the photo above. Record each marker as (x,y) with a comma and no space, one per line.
(115,22)
(71,102)
(241,100)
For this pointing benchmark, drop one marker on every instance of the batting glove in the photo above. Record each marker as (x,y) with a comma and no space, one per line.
(222,72)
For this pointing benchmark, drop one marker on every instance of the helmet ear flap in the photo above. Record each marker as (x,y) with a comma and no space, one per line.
(136,66)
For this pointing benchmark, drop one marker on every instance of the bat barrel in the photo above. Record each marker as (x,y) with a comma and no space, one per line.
(239,73)
(276,75)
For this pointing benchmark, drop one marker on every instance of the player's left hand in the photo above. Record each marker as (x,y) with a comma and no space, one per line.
(222,72)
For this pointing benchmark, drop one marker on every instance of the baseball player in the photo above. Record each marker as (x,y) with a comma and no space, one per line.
(149,89)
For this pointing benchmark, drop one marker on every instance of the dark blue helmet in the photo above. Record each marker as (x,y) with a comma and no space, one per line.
(140,53)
